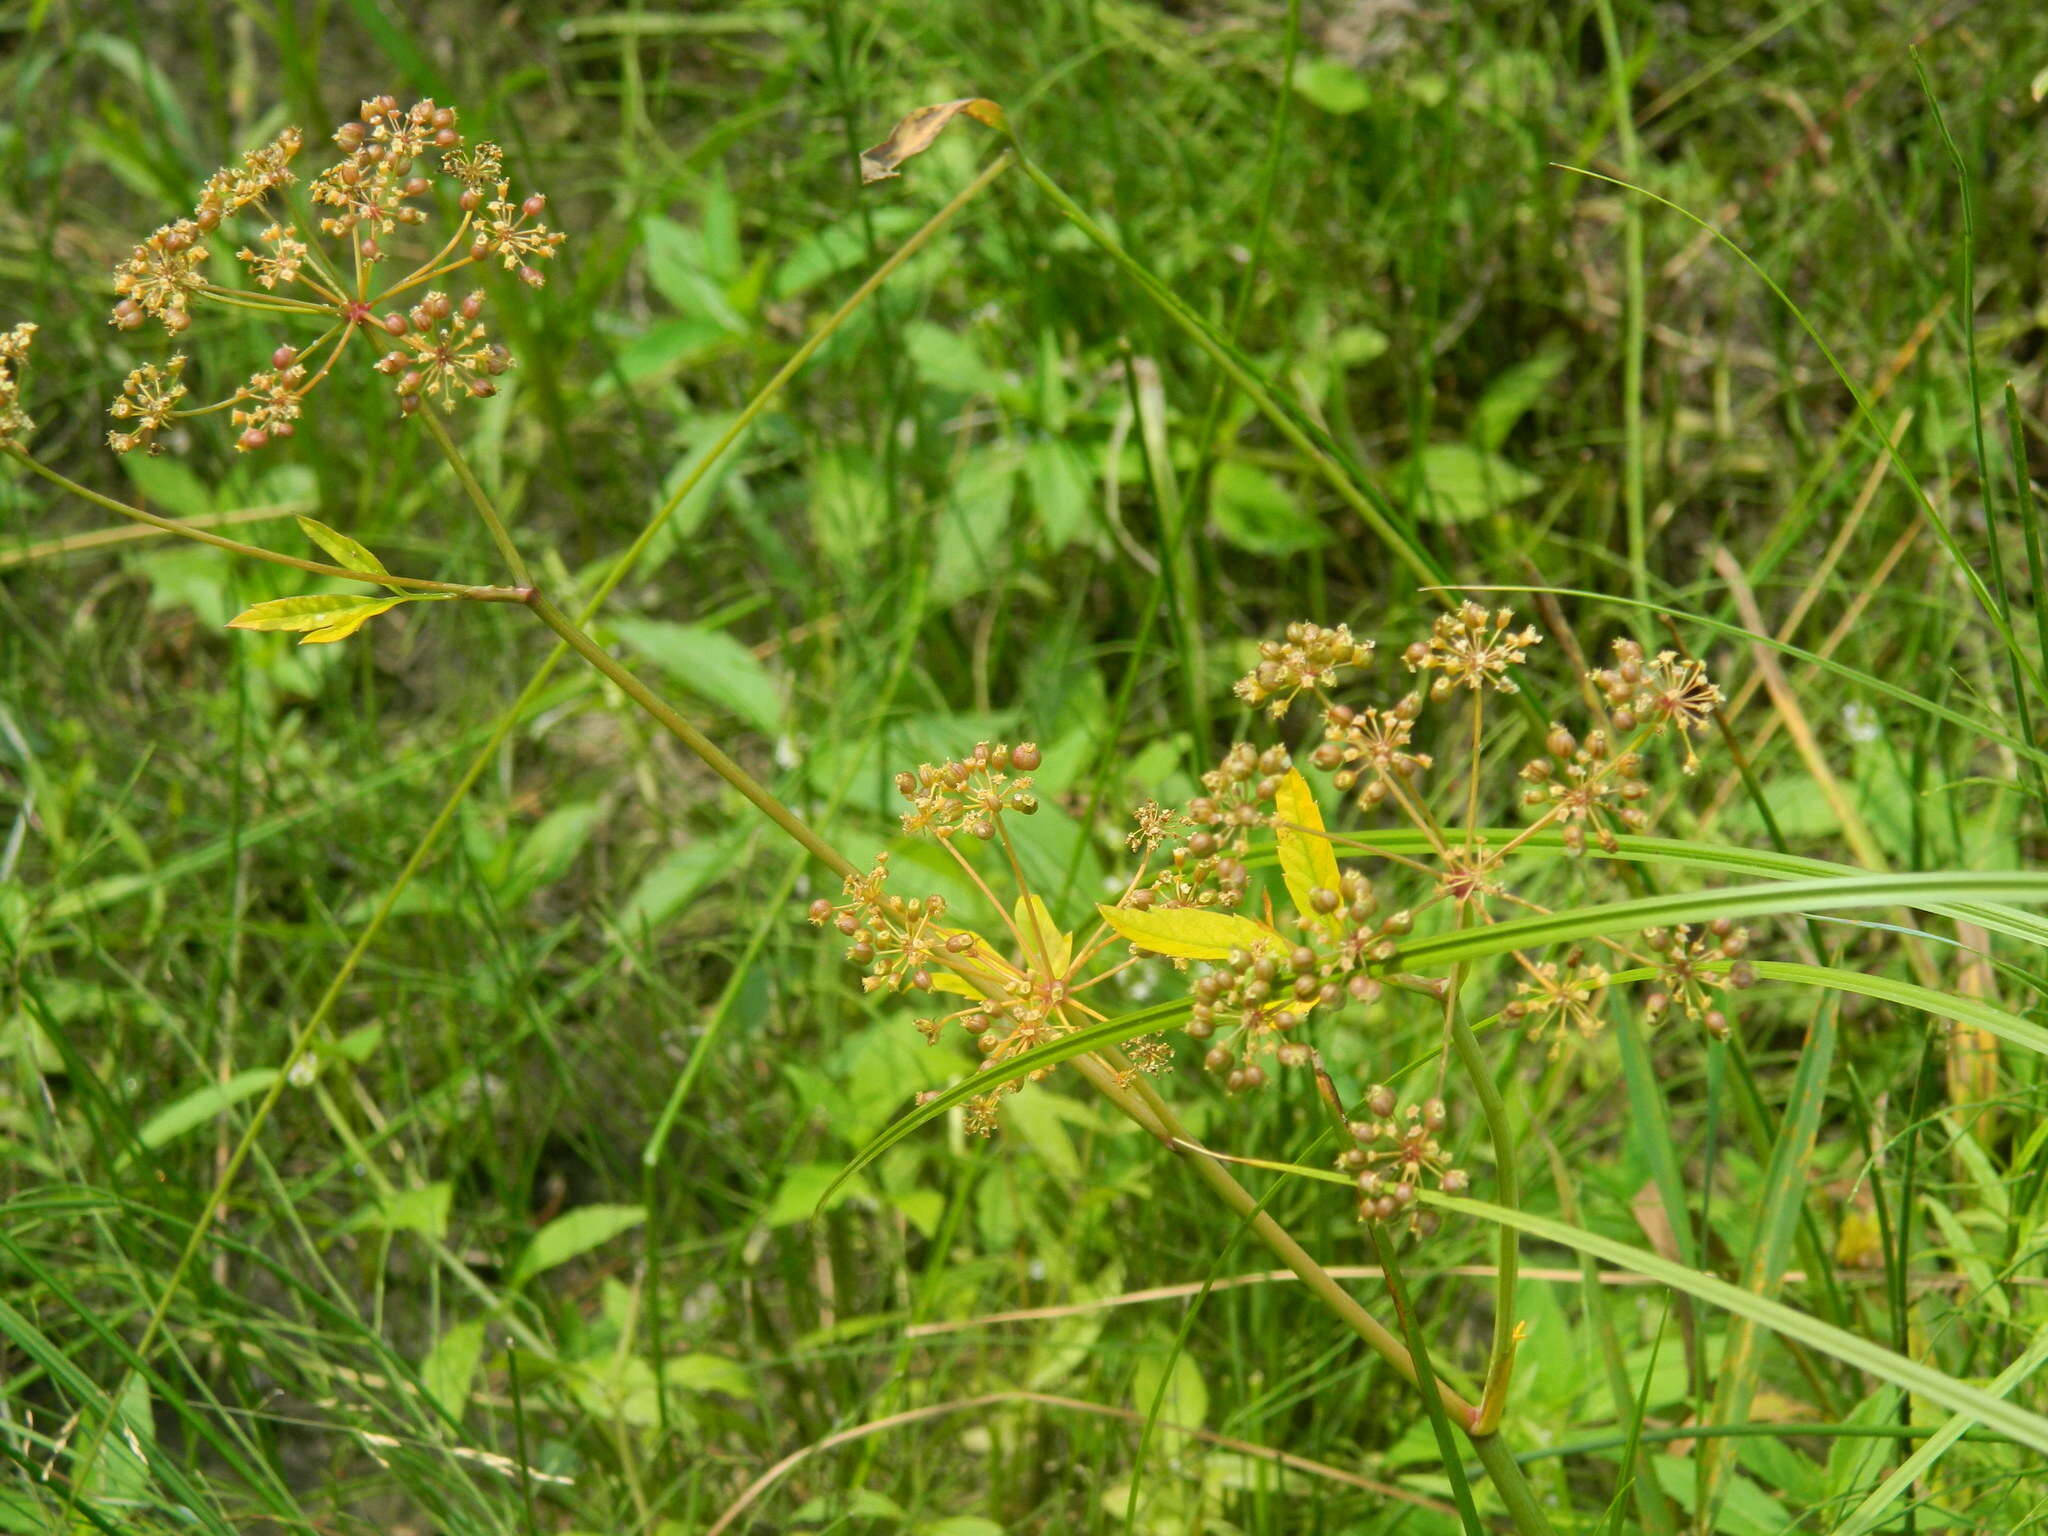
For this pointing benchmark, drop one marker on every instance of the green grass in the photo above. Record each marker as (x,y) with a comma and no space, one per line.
(536,1245)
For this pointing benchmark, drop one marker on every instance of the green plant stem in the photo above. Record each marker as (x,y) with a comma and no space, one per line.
(1404,1310)
(478,594)
(486,509)
(1501,1359)
(706,749)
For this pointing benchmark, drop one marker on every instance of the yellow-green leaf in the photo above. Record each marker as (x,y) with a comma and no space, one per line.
(981,954)
(1034,921)
(314,611)
(1306,859)
(1189,933)
(348,624)
(344,550)
(916,133)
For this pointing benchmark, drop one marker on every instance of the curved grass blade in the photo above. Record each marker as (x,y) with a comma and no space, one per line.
(1097,1037)
(1942,1005)
(1637,848)
(2016,1424)
(1908,890)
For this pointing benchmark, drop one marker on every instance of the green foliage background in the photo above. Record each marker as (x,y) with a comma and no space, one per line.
(944,531)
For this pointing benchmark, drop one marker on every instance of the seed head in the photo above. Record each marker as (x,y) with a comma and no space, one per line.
(14,421)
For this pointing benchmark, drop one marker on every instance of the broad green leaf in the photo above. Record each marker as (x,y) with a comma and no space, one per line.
(423,1210)
(1043,936)
(707,1373)
(171,485)
(320,617)
(574,1234)
(341,549)
(973,549)
(1307,862)
(202,1104)
(838,246)
(677,269)
(857,1504)
(948,360)
(1509,397)
(675,881)
(449,1370)
(1257,513)
(1457,483)
(551,847)
(1062,491)
(1333,85)
(710,664)
(2016,1424)
(1190,933)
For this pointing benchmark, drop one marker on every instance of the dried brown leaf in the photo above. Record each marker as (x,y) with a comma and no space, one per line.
(917,133)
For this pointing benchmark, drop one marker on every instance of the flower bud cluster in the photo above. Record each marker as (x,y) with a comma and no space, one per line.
(1257,999)
(1667,691)
(1693,965)
(1472,649)
(443,353)
(1211,836)
(1393,1152)
(1587,785)
(1557,1001)
(382,184)
(14,346)
(898,940)
(1308,659)
(148,401)
(1367,749)
(970,794)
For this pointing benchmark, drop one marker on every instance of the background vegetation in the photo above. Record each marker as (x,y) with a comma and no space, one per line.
(557,1168)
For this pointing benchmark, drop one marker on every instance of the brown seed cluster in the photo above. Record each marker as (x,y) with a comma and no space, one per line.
(1393,1152)
(1306,659)
(14,421)
(1472,649)
(970,794)
(1693,965)
(1205,866)
(393,160)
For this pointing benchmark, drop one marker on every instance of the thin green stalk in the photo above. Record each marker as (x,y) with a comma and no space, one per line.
(1404,1309)
(1632,317)
(478,594)
(486,509)
(1500,1362)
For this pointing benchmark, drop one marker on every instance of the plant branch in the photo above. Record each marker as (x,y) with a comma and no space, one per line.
(479,594)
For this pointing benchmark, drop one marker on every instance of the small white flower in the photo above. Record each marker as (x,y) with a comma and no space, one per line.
(302,1073)
(1861,722)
